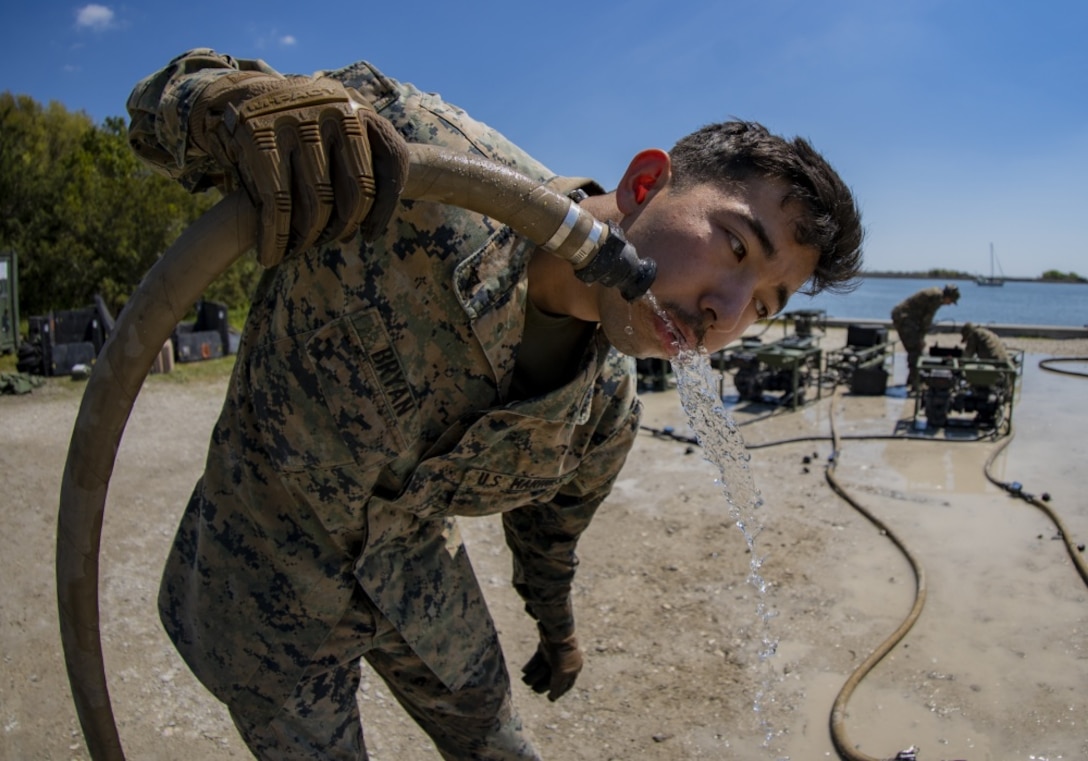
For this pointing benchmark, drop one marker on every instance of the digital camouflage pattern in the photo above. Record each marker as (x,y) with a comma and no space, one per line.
(368,407)
(913,318)
(983,343)
(320,719)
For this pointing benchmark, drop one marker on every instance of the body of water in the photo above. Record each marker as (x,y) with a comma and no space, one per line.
(1014,303)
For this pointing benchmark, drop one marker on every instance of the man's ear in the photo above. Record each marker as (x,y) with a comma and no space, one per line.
(648,173)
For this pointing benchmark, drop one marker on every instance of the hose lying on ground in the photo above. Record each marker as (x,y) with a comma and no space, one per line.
(838,712)
(838,709)
(1015,489)
(1047,364)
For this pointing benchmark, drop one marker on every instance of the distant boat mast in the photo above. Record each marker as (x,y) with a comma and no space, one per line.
(993,279)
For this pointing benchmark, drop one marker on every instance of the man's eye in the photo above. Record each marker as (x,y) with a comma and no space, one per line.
(761,309)
(738,247)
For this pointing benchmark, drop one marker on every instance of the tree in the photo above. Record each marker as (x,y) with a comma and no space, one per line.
(85,215)
(1065,277)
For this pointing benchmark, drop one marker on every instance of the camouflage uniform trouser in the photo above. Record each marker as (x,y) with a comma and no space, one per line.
(320,720)
(913,338)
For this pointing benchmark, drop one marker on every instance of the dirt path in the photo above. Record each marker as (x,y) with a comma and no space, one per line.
(994,670)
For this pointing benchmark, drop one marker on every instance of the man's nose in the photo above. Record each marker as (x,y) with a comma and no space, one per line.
(725,309)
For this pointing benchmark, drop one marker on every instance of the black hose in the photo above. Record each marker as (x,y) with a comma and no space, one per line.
(838,710)
(1046,365)
(1017,490)
(838,713)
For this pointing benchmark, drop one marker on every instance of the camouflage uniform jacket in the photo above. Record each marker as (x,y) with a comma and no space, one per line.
(368,406)
(914,315)
(984,344)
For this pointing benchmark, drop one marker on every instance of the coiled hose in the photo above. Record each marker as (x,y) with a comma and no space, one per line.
(1048,364)
(163,298)
(837,719)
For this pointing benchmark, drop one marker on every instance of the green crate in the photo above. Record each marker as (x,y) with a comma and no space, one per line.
(9,302)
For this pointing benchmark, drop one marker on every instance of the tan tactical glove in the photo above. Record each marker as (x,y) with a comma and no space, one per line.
(554,667)
(316,159)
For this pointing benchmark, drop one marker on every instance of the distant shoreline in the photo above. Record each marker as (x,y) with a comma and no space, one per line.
(969,278)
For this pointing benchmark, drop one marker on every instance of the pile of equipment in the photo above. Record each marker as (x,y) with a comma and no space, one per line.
(781,372)
(207,337)
(62,340)
(864,363)
(953,390)
(971,392)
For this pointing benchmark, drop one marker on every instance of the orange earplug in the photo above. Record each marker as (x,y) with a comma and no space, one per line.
(643,184)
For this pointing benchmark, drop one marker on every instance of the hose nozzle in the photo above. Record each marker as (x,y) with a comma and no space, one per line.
(600,253)
(618,265)
(555,222)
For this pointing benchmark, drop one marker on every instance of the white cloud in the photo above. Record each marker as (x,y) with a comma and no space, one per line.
(273,38)
(93,16)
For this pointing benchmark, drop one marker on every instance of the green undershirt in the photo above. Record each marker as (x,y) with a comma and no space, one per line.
(550,352)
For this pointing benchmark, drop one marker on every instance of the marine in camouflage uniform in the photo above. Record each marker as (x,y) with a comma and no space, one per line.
(371,403)
(983,343)
(913,318)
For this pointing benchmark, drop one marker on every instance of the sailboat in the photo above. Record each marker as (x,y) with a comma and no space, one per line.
(992,279)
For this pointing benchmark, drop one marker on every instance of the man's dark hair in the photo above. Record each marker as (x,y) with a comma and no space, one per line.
(735,151)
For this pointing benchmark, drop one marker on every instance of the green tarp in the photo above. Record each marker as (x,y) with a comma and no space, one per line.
(19,383)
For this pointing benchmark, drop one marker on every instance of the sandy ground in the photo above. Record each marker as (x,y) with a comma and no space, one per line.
(994,669)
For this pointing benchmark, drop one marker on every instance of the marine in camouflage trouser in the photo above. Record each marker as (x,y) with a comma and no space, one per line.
(320,720)
(369,406)
(912,319)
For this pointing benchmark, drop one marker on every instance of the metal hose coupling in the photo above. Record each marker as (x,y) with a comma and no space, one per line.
(598,252)
(617,265)
(601,254)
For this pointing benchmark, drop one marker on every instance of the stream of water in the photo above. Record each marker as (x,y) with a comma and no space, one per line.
(724,447)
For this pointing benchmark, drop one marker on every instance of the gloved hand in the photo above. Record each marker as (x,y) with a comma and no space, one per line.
(554,667)
(314,156)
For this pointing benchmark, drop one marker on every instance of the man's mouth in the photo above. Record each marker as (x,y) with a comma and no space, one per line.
(673,339)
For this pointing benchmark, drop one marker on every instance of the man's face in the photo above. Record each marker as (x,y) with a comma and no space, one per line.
(725,258)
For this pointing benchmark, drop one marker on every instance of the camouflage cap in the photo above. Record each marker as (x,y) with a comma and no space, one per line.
(952,293)
(967,329)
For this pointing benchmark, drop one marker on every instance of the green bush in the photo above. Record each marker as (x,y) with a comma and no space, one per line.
(85,215)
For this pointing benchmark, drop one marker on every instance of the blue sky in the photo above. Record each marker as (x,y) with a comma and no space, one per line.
(959,124)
